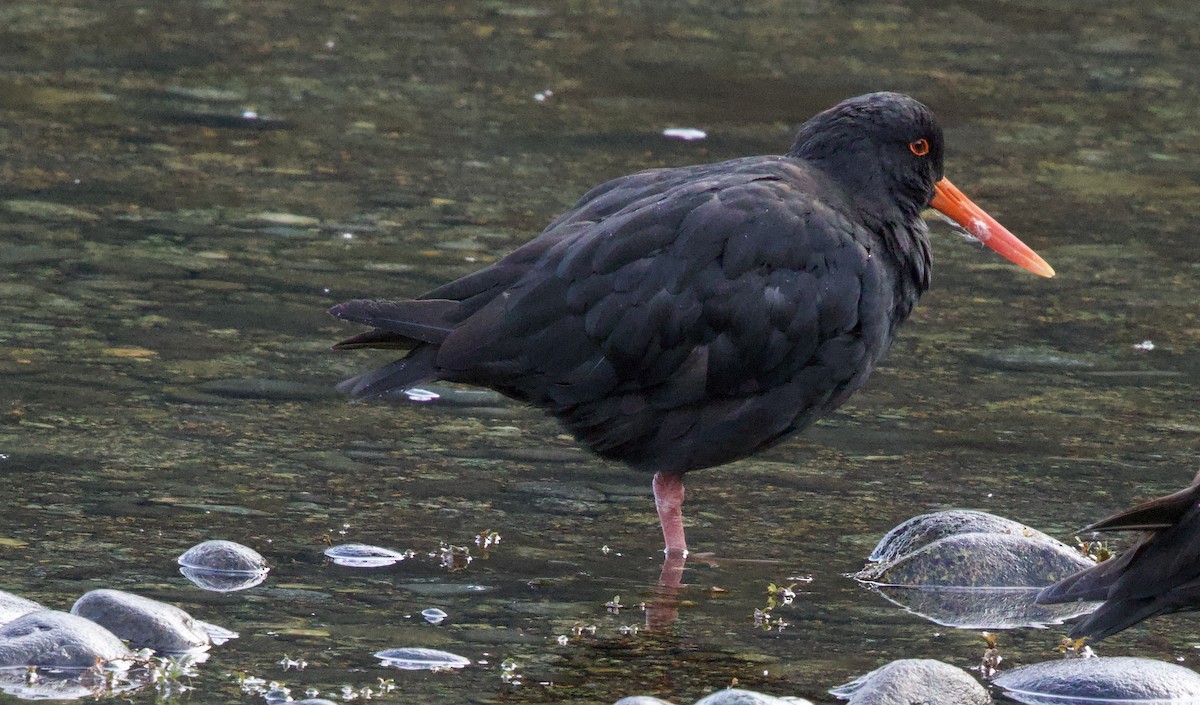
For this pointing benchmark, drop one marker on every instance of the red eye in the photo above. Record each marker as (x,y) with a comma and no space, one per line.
(919,147)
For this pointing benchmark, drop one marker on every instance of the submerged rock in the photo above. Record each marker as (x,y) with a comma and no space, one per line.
(981,560)
(420,659)
(221,581)
(923,530)
(1100,681)
(13,606)
(981,608)
(223,566)
(143,622)
(914,682)
(224,556)
(52,639)
(360,555)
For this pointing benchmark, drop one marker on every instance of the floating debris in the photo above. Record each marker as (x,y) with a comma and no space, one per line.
(1146,345)
(360,555)
(419,659)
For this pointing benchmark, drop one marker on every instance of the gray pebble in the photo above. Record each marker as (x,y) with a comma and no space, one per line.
(737,696)
(981,560)
(1104,679)
(224,556)
(270,389)
(914,682)
(143,622)
(923,530)
(13,606)
(52,639)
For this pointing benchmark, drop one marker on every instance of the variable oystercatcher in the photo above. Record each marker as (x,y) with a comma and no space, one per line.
(1159,575)
(677,319)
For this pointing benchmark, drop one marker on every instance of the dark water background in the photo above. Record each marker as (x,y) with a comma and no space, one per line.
(160,246)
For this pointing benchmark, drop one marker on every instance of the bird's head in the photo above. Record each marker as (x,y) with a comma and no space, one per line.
(886,151)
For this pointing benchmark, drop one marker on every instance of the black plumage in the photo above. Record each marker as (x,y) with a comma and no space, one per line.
(1158,575)
(678,319)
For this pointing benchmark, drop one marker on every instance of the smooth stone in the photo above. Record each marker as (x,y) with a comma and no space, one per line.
(143,622)
(642,700)
(738,696)
(914,682)
(52,639)
(222,581)
(923,530)
(444,589)
(982,608)
(1027,359)
(224,556)
(11,255)
(360,555)
(981,560)
(13,606)
(313,701)
(46,210)
(419,659)
(1080,681)
(279,219)
(558,490)
(270,389)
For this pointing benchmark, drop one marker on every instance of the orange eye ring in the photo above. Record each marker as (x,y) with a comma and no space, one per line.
(919,147)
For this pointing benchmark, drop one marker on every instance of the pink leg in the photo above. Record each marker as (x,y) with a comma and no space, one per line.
(668,499)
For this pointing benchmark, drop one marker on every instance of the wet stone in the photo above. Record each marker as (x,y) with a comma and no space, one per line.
(1028,359)
(922,530)
(913,682)
(13,606)
(270,389)
(13,255)
(738,696)
(981,560)
(642,700)
(449,396)
(444,589)
(143,622)
(559,490)
(359,555)
(224,556)
(982,608)
(569,507)
(420,659)
(1101,680)
(46,210)
(52,639)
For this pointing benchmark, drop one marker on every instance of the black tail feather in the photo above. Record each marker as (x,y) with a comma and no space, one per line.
(1158,513)
(401,374)
(423,320)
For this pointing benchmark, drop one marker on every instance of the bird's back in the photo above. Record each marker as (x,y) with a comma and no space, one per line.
(675,318)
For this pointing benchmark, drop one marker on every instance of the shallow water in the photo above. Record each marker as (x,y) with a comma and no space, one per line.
(185,188)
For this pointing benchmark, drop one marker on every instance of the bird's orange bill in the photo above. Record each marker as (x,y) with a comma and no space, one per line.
(983,227)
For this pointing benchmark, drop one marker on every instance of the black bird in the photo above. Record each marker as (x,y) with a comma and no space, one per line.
(1159,575)
(677,319)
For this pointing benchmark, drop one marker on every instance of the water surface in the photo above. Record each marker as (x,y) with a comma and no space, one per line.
(185,188)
